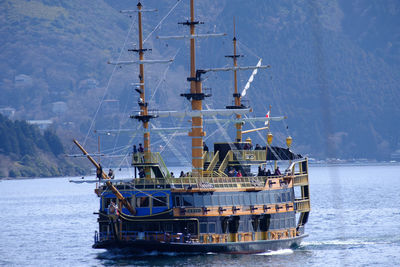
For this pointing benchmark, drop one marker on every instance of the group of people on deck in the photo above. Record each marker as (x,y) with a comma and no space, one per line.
(135,152)
(99,173)
(234,173)
(264,172)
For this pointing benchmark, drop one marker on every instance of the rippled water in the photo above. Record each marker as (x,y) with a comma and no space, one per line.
(355,221)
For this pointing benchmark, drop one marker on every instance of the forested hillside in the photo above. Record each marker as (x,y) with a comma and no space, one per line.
(334,68)
(26,152)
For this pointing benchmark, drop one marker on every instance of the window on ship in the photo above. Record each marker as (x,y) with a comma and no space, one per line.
(207,200)
(253,198)
(198,200)
(188,200)
(260,198)
(211,227)
(203,227)
(191,228)
(235,199)
(177,201)
(222,200)
(160,201)
(142,202)
(277,198)
(266,198)
(246,198)
(283,197)
(107,201)
(241,198)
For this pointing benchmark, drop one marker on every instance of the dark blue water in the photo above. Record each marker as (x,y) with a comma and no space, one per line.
(355,221)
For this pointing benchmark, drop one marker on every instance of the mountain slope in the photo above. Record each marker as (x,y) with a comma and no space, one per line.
(334,66)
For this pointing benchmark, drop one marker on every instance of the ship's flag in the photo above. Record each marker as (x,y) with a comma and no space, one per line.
(267,121)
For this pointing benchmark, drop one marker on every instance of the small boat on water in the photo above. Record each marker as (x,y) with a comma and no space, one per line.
(227,203)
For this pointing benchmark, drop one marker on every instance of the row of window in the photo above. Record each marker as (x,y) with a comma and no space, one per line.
(206,227)
(249,226)
(141,201)
(163,226)
(233,199)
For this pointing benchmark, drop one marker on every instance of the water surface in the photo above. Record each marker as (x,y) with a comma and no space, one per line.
(355,221)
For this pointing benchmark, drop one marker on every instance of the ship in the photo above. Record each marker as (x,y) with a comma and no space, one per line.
(227,203)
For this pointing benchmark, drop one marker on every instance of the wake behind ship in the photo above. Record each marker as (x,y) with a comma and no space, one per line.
(228,203)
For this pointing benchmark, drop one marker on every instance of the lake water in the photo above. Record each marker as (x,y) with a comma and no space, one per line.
(355,221)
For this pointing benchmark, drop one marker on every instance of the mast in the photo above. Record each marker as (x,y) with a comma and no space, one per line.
(195,88)
(196,97)
(144,108)
(236,95)
(144,116)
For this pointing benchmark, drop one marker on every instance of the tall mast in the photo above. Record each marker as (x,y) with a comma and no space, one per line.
(236,95)
(196,90)
(144,116)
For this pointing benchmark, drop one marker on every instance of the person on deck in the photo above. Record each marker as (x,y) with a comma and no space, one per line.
(172,175)
(141,149)
(259,171)
(135,151)
(99,172)
(141,173)
(182,174)
(268,173)
(239,174)
(205,148)
(111,174)
(235,173)
(277,171)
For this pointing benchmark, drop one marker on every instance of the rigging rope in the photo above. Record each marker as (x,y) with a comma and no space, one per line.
(161,21)
(108,83)
(164,75)
(148,36)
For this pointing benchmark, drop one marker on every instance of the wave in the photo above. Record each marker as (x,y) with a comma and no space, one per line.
(286,251)
(337,242)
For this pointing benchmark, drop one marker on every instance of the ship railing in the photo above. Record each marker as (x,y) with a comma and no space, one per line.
(153,183)
(302,205)
(209,180)
(300,179)
(162,166)
(139,157)
(154,158)
(217,181)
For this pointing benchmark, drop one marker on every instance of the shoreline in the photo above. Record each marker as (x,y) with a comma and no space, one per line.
(311,164)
